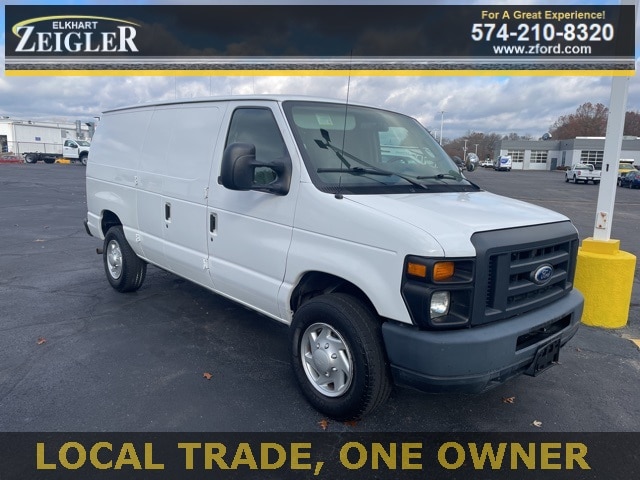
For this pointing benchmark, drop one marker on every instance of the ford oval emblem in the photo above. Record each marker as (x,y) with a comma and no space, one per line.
(542,274)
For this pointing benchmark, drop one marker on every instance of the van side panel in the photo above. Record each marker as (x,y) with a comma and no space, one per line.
(112,171)
(174,175)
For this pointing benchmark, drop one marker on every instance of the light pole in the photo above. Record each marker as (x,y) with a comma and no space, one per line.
(464,156)
(441,124)
(476,149)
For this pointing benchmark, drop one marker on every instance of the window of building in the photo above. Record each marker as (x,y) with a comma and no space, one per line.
(594,157)
(539,156)
(516,155)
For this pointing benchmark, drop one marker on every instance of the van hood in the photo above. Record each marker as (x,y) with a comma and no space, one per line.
(452,218)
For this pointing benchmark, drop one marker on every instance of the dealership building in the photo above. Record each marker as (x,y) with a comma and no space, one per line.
(551,154)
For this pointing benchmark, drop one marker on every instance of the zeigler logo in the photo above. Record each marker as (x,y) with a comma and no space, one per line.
(75,34)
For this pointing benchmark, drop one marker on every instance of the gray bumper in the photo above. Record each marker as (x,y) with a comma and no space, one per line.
(474,359)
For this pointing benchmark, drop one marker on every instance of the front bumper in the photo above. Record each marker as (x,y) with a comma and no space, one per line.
(474,359)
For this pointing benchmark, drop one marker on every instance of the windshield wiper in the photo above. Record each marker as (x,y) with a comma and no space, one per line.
(441,176)
(372,171)
(355,171)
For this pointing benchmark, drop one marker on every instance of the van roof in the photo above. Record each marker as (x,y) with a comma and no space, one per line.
(227,98)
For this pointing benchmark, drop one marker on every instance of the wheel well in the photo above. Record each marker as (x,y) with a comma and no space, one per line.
(109,219)
(313,284)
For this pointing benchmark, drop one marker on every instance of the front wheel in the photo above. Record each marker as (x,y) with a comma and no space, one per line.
(338,357)
(125,270)
(83,159)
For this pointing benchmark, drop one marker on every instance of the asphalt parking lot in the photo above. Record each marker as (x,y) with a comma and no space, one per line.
(75,355)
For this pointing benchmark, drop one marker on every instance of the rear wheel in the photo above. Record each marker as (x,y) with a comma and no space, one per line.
(338,357)
(125,270)
(30,159)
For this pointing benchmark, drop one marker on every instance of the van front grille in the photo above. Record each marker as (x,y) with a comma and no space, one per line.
(520,276)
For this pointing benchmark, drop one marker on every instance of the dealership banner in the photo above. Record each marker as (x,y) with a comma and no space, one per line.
(319,39)
(320,455)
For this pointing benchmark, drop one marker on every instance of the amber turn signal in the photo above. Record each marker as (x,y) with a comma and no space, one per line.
(443,271)
(417,269)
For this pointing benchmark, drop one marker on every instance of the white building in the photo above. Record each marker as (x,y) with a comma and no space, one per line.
(551,154)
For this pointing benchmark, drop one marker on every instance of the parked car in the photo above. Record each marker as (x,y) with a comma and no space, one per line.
(503,163)
(459,163)
(487,163)
(582,173)
(630,180)
(623,169)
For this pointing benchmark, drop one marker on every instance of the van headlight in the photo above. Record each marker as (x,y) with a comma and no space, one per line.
(439,304)
(438,292)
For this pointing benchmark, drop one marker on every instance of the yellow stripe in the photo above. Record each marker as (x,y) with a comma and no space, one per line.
(319,73)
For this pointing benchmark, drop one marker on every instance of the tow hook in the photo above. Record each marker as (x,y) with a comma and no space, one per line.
(99,251)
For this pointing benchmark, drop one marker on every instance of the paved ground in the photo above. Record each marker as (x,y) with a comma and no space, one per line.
(113,362)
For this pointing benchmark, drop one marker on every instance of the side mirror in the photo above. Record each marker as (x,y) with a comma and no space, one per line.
(238,170)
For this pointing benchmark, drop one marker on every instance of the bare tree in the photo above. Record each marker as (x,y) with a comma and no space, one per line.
(632,124)
(588,121)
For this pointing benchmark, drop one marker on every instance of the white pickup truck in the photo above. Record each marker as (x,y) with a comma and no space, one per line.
(76,150)
(582,173)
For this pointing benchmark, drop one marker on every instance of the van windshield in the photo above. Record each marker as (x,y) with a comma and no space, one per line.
(354,149)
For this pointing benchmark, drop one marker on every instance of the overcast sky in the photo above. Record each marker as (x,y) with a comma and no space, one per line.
(522,104)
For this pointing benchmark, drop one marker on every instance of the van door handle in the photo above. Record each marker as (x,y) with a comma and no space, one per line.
(167,212)
(212,223)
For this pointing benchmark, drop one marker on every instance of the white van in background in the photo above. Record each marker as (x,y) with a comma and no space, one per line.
(503,162)
(348,223)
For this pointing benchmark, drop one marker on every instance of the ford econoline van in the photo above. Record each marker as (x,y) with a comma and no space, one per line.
(503,163)
(346,222)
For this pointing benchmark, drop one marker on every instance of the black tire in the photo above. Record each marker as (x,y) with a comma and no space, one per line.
(596,182)
(83,159)
(30,159)
(124,269)
(49,160)
(349,352)
(566,179)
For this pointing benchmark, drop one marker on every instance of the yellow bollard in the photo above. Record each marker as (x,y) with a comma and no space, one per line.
(604,275)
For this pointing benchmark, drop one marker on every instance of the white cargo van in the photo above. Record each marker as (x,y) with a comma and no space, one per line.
(348,223)
(503,163)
